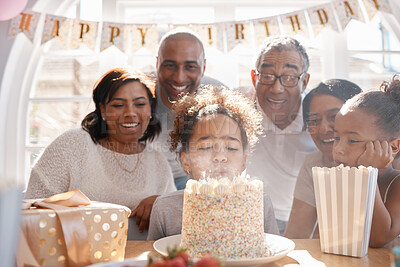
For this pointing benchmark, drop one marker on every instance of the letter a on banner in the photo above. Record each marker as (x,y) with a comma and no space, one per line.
(322,17)
(295,23)
(373,6)
(347,10)
(112,34)
(25,22)
(52,27)
(264,28)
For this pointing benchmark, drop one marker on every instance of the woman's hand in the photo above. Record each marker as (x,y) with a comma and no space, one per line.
(142,213)
(377,154)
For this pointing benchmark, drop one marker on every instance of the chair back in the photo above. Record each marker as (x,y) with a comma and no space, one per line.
(133,231)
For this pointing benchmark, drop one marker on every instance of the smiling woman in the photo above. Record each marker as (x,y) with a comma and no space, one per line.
(320,107)
(107,158)
(127,115)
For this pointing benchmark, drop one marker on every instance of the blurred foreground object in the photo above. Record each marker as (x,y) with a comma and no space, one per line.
(10,203)
(11,8)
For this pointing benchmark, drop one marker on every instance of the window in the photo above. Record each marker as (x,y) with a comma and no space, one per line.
(374,53)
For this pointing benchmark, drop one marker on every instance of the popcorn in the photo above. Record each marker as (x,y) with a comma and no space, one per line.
(345,200)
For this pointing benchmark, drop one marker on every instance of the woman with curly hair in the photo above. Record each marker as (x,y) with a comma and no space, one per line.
(213,134)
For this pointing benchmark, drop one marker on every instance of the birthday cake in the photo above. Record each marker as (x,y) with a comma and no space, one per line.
(224,218)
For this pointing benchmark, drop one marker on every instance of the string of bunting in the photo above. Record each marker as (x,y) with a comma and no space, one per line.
(224,36)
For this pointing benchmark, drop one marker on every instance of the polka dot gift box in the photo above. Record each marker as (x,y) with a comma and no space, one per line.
(70,230)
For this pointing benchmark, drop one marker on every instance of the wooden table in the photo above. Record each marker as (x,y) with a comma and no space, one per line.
(304,249)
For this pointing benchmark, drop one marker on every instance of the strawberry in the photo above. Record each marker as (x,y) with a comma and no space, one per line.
(208,261)
(177,262)
(162,263)
(184,256)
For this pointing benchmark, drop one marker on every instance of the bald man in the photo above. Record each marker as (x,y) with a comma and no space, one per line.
(180,67)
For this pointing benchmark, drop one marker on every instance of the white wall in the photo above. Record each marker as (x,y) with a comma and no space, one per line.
(6,46)
(17,59)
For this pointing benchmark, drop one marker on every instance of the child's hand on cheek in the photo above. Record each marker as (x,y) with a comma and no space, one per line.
(377,154)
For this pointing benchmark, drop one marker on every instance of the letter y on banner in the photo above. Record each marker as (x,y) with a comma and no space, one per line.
(25,22)
(143,36)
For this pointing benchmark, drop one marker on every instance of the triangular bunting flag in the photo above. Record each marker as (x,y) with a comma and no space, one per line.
(52,27)
(112,34)
(25,22)
(321,17)
(210,34)
(143,36)
(295,23)
(264,28)
(237,33)
(347,10)
(84,32)
(373,6)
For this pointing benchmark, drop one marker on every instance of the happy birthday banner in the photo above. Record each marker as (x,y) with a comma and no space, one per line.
(224,36)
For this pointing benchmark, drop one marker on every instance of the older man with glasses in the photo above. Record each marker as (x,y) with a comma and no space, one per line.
(280,78)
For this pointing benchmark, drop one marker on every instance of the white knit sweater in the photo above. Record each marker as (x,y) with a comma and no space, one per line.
(74,161)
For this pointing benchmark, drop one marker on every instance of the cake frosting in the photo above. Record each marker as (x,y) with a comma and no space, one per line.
(224,218)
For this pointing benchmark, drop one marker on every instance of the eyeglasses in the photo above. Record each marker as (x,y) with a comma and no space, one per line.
(285,80)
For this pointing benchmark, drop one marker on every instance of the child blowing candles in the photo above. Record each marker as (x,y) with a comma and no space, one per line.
(367,132)
(213,132)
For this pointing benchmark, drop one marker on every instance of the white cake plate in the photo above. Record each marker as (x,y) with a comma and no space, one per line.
(125,263)
(278,244)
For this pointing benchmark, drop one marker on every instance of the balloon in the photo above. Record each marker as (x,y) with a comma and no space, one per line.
(11,8)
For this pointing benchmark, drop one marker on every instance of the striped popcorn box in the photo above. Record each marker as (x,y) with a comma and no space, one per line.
(345,201)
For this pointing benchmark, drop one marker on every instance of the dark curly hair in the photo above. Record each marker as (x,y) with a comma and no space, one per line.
(342,89)
(384,104)
(215,100)
(103,92)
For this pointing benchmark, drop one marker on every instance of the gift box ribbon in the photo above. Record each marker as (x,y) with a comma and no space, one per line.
(74,229)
